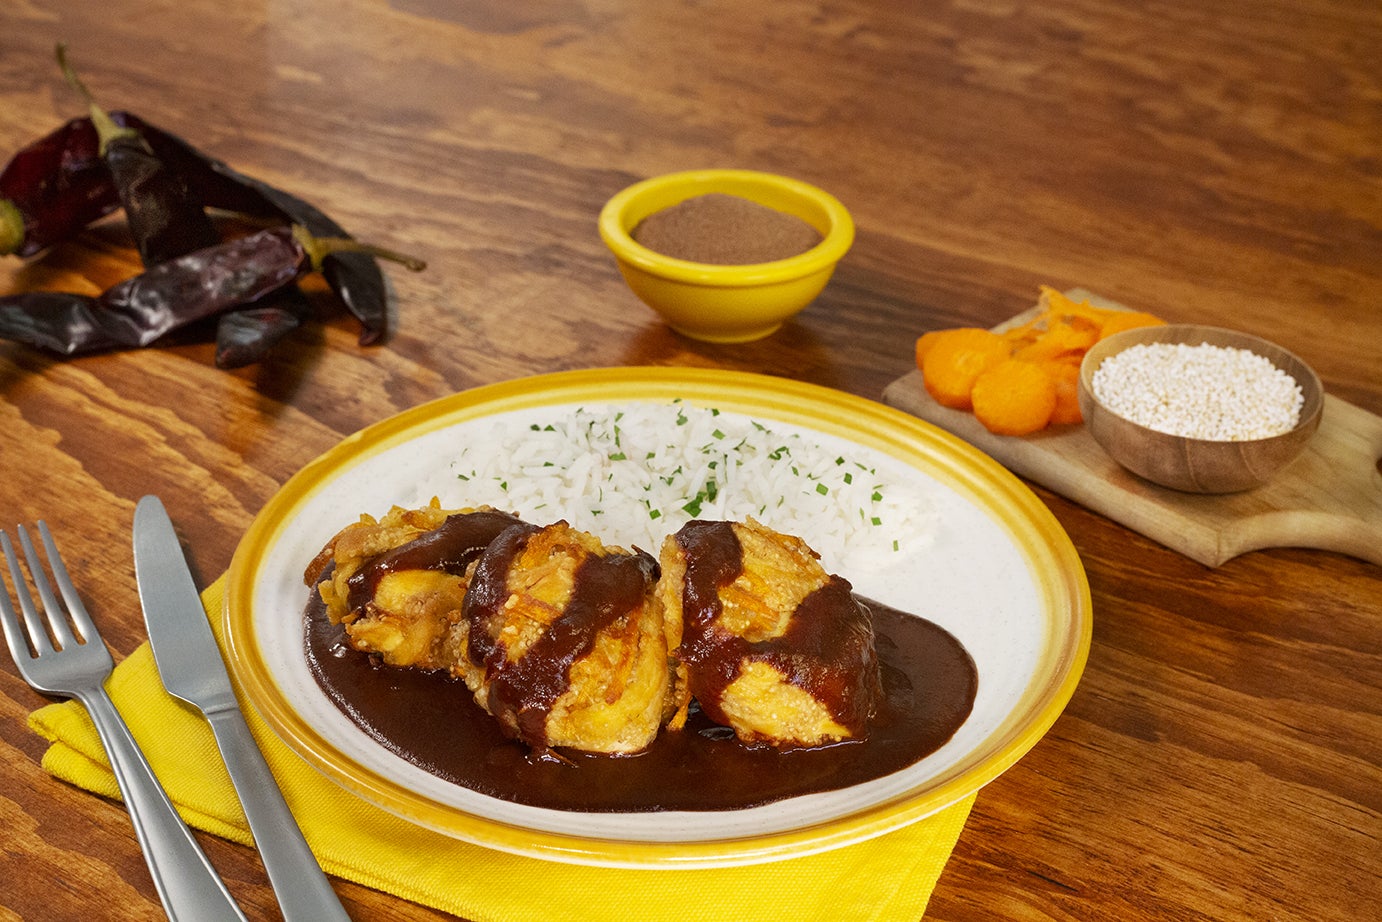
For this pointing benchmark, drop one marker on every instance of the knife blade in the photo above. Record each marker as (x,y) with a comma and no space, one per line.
(190,665)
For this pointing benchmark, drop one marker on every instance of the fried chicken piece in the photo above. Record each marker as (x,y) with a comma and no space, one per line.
(397,584)
(572,644)
(563,644)
(771,645)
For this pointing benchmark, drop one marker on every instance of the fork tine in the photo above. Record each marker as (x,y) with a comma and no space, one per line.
(85,627)
(37,642)
(9,618)
(52,611)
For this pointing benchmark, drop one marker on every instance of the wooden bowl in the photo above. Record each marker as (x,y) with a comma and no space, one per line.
(1189,464)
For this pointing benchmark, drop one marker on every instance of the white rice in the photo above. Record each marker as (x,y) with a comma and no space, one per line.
(1217,393)
(634,473)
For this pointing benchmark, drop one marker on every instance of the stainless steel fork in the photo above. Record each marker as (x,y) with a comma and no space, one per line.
(71,660)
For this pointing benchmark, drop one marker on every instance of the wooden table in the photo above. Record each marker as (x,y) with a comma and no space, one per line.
(1211,161)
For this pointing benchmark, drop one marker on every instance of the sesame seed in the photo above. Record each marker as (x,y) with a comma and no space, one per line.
(1216,393)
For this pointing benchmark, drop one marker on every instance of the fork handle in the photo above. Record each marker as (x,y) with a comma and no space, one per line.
(304,894)
(185,880)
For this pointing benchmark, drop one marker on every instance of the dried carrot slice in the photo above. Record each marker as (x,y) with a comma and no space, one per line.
(924,343)
(1058,304)
(1014,398)
(1128,320)
(1065,375)
(1067,337)
(955,357)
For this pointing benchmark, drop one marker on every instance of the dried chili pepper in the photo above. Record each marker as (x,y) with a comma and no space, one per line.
(245,335)
(355,278)
(359,282)
(165,219)
(172,294)
(59,185)
(104,160)
(165,296)
(53,188)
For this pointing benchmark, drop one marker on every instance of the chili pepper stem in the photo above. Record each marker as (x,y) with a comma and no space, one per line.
(106,128)
(318,248)
(11,226)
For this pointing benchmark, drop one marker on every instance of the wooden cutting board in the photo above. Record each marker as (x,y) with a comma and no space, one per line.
(1329,498)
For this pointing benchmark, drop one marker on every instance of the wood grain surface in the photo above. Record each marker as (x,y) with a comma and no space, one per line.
(1212,161)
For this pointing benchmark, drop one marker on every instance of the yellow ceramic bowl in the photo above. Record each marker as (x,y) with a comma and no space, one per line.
(726,304)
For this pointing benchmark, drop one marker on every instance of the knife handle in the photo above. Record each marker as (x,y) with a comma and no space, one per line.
(187,884)
(304,894)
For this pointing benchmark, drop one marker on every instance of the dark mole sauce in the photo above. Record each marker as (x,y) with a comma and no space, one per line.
(929,683)
(827,648)
(524,691)
(450,547)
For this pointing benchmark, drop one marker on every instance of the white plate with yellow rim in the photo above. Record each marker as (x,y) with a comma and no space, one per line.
(999,573)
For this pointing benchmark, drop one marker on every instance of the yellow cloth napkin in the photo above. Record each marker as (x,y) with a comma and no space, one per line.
(884,879)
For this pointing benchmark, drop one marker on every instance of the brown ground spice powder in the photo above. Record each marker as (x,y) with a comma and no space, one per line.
(725,230)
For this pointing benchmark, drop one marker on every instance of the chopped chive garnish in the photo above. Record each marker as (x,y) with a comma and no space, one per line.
(633,466)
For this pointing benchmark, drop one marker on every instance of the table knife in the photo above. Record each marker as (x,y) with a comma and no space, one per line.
(190,664)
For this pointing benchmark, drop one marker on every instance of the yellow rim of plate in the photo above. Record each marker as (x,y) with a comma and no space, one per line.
(1058,575)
